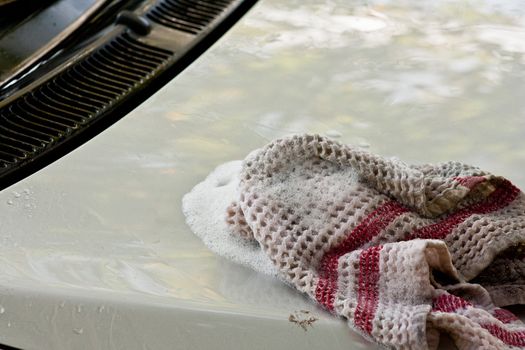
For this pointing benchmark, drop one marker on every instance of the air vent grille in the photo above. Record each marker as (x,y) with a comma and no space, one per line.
(190,16)
(75,97)
(98,76)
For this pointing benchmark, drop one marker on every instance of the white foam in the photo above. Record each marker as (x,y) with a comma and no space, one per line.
(205,209)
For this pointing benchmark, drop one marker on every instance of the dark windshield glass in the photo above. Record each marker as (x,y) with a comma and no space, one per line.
(13,13)
(28,27)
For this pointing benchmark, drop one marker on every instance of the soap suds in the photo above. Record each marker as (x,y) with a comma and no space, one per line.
(205,209)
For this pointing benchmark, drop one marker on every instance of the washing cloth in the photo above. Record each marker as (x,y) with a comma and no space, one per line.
(402,252)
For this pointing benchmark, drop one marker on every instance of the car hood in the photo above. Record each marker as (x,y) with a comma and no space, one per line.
(95,252)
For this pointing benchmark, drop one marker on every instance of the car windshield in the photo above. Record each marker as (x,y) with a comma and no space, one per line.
(29,28)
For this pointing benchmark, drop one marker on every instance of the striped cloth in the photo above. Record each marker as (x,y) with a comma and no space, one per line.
(403,253)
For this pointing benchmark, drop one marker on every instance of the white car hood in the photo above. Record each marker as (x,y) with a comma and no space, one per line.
(94,249)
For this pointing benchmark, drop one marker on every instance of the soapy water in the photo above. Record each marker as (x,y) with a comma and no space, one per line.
(206,205)
(205,211)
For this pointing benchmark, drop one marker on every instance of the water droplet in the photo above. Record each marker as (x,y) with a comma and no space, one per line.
(27,191)
(79,308)
(101,308)
(16,194)
(2,309)
(9,202)
(62,304)
(8,324)
(78,330)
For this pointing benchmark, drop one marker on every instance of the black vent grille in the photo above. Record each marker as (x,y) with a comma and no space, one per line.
(75,97)
(190,16)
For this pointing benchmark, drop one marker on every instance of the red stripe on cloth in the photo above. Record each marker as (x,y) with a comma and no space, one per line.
(452,303)
(361,234)
(513,338)
(498,199)
(504,316)
(449,303)
(368,291)
(470,181)
(376,221)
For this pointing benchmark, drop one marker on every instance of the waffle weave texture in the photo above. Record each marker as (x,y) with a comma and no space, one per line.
(402,252)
